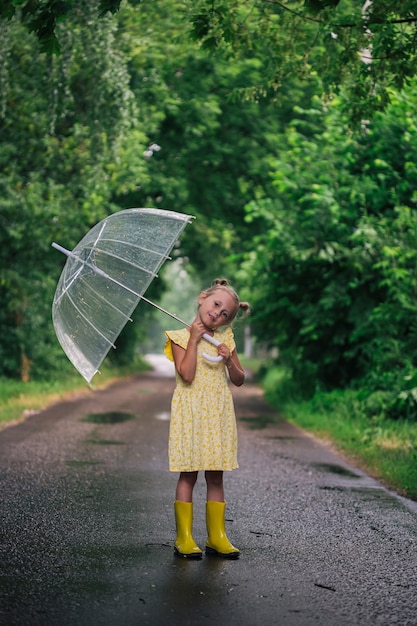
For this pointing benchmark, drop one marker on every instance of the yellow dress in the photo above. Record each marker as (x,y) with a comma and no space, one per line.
(203,434)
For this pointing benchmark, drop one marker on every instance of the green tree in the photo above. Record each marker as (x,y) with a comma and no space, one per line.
(209,150)
(337,253)
(66,121)
(364,46)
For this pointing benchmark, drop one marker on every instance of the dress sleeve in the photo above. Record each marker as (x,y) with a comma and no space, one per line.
(180,337)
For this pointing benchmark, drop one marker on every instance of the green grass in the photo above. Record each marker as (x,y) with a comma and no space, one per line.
(384,448)
(18,399)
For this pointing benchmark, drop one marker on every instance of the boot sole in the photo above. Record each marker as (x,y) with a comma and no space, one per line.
(197,555)
(213,552)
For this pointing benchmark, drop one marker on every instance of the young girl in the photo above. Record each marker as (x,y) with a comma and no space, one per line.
(203,433)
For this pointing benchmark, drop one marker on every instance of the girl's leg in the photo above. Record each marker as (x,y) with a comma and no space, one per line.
(185,545)
(215,489)
(185,486)
(217,541)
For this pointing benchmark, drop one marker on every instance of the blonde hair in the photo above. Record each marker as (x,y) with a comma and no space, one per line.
(223,283)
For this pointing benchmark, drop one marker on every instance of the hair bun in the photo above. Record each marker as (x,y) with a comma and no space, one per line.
(221,281)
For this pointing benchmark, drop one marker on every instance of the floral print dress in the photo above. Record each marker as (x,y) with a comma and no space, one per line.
(203,434)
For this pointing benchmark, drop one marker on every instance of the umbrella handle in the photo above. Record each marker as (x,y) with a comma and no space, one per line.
(214,359)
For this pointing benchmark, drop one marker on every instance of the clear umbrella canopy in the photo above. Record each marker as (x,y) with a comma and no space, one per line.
(104,278)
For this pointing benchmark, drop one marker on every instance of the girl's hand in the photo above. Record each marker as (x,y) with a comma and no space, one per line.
(224,352)
(234,367)
(197,330)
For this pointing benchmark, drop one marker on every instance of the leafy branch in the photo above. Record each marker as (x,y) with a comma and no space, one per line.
(372,21)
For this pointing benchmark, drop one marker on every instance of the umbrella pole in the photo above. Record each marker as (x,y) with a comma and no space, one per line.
(156,306)
(207,337)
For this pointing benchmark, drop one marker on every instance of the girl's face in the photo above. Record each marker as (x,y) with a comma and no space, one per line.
(216,309)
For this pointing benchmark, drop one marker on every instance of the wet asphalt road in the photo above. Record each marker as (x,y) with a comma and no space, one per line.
(87,526)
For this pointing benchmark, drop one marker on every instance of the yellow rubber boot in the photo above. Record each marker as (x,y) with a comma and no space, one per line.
(217,542)
(185,545)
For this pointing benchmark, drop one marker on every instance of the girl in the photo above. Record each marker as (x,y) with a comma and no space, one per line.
(203,433)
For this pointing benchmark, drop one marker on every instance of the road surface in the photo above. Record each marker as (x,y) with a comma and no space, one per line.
(87,525)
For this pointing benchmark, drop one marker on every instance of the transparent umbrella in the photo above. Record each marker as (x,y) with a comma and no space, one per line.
(105,277)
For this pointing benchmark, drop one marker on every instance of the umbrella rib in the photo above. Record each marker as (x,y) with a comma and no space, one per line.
(64,291)
(90,323)
(133,245)
(107,302)
(119,258)
(94,244)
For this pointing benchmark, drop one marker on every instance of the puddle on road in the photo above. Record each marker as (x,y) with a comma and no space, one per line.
(111,417)
(381,497)
(104,554)
(333,468)
(376,495)
(163,416)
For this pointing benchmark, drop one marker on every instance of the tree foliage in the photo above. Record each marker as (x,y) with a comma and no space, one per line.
(65,122)
(364,46)
(338,254)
